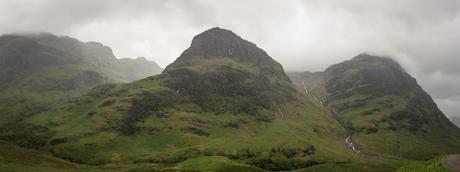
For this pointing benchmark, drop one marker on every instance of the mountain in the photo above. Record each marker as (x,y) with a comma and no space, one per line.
(135,69)
(455,120)
(225,73)
(383,107)
(223,105)
(39,69)
(224,101)
(26,53)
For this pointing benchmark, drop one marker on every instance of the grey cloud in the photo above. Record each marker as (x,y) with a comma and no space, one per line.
(301,34)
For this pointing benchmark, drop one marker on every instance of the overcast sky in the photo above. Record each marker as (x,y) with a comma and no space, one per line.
(423,35)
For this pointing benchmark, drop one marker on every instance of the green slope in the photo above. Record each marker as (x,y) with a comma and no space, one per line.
(224,105)
(13,158)
(434,164)
(209,107)
(37,70)
(383,107)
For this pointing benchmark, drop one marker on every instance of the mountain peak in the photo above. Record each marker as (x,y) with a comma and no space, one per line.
(215,32)
(219,64)
(218,42)
(368,72)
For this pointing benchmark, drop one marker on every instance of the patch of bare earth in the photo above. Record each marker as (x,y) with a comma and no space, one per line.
(453,161)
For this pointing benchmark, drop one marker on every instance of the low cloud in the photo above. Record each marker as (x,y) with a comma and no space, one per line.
(302,35)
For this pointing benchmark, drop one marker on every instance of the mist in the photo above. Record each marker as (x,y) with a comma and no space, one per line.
(422,35)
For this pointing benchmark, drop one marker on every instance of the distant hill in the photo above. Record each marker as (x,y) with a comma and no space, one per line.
(39,69)
(27,53)
(135,69)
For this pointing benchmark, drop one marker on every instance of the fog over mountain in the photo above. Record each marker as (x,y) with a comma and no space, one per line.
(422,35)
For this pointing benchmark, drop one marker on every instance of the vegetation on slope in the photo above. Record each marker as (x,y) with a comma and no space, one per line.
(435,164)
(383,108)
(38,70)
(224,107)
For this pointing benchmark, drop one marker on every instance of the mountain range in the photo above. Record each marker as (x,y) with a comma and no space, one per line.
(223,105)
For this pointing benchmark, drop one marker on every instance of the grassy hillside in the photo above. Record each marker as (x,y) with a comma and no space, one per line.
(223,105)
(37,70)
(383,107)
(435,164)
(204,109)
(13,158)
(118,123)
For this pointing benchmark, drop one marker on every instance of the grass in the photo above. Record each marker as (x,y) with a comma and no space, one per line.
(182,133)
(378,132)
(215,163)
(428,166)
(170,130)
(13,158)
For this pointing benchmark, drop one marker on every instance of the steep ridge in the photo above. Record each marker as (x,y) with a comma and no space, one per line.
(384,108)
(209,105)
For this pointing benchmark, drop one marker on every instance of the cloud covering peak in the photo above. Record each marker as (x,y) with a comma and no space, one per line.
(302,35)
